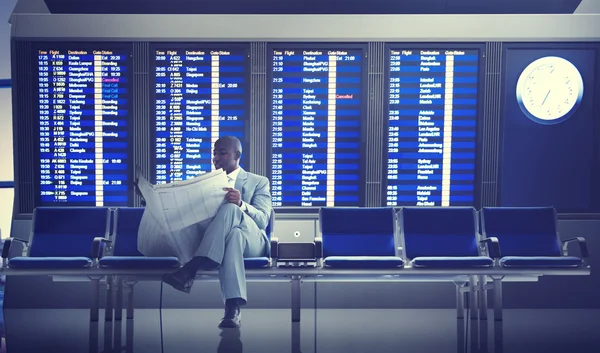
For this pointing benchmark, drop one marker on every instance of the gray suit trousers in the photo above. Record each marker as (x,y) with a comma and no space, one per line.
(227,239)
(230,237)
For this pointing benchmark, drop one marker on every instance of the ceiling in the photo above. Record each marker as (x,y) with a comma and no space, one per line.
(311,6)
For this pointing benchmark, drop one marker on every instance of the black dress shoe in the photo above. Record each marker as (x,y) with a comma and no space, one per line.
(181,279)
(232,317)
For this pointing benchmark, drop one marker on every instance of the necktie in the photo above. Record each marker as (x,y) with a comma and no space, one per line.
(230,180)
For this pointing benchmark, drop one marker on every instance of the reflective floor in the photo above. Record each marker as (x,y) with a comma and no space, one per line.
(326,330)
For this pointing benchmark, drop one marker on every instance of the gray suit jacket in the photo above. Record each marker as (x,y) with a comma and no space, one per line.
(256,193)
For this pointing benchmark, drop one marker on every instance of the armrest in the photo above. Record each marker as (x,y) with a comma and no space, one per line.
(96,246)
(493,247)
(318,248)
(274,247)
(8,243)
(582,246)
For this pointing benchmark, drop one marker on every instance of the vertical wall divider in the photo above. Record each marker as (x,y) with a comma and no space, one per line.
(141,120)
(25,128)
(374,130)
(258,109)
(491,129)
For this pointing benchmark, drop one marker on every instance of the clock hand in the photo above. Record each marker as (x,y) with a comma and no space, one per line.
(547,94)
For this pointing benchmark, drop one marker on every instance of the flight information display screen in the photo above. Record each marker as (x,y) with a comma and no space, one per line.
(83,105)
(316,124)
(432,120)
(200,95)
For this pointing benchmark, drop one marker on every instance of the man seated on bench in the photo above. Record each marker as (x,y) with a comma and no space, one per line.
(237,231)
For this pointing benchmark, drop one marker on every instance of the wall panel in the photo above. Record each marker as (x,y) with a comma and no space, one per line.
(141,120)
(489,131)
(374,121)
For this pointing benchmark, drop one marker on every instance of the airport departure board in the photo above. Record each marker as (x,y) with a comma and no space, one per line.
(316,124)
(432,118)
(83,106)
(200,95)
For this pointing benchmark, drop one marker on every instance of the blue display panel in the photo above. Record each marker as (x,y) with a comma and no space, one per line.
(200,94)
(550,127)
(432,127)
(84,107)
(316,126)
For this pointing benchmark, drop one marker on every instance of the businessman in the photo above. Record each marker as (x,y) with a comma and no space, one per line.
(237,231)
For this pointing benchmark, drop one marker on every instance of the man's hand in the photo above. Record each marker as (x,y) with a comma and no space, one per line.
(233,196)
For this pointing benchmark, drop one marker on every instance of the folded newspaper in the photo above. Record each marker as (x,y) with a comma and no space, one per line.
(175,210)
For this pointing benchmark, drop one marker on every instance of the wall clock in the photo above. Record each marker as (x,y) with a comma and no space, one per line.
(549,90)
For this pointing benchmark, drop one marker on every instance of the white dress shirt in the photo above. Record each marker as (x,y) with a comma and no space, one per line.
(231,178)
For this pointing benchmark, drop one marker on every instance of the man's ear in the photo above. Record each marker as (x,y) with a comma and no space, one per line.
(238,155)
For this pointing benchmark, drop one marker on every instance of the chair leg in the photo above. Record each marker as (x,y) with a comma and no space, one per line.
(109,331)
(296,298)
(296,342)
(130,301)
(95,307)
(473,300)
(93,346)
(483,311)
(119,300)
(497,299)
(129,336)
(461,336)
(498,337)
(483,297)
(474,312)
(460,300)
(108,311)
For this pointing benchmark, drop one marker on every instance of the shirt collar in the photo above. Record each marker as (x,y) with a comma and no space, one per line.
(233,175)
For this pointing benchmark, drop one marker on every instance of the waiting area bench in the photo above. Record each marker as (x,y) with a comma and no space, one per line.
(475,250)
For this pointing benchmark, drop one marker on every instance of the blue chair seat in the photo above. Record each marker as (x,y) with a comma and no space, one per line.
(40,263)
(452,262)
(256,262)
(138,262)
(540,261)
(363,262)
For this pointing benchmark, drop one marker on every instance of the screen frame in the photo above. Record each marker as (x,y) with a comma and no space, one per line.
(245,48)
(77,45)
(363,112)
(594,186)
(479,119)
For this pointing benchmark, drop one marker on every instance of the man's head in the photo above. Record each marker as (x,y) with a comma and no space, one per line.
(227,152)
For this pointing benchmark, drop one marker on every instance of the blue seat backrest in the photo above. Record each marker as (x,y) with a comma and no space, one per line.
(349,231)
(269,230)
(126,231)
(67,231)
(128,221)
(522,231)
(439,231)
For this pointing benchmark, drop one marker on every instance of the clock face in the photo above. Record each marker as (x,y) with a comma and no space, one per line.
(549,90)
